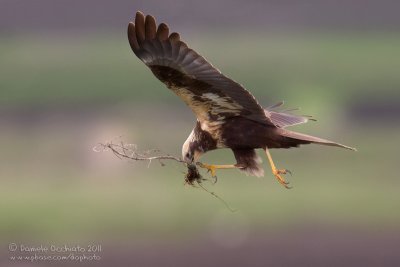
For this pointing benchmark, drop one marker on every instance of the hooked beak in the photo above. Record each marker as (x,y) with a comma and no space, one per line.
(197,155)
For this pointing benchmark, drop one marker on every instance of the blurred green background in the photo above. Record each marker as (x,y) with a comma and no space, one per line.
(69,81)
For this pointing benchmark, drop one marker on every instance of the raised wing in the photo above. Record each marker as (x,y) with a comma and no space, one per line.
(212,96)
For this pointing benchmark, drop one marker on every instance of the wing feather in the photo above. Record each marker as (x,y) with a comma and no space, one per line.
(162,32)
(140,29)
(150,27)
(174,37)
(211,95)
(132,37)
(283,119)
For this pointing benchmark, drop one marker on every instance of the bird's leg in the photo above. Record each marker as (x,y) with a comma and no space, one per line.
(213,168)
(276,172)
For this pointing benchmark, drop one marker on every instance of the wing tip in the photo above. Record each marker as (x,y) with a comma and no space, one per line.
(132,36)
(145,27)
(139,13)
(162,31)
(131,28)
(150,27)
(174,37)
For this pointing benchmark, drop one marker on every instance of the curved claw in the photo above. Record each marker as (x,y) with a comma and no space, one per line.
(212,171)
(210,168)
(284,171)
(277,173)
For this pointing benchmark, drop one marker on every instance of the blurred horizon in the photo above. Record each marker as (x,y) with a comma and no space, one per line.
(70,81)
(18,16)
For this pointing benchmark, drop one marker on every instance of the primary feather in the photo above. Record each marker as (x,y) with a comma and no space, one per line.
(212,96)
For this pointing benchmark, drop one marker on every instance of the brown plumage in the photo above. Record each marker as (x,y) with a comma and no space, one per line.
(228,116)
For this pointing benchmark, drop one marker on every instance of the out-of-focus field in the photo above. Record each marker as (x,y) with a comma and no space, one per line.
(60,96)
(300,68)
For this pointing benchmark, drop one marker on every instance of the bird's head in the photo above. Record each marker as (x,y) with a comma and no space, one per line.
(191,152)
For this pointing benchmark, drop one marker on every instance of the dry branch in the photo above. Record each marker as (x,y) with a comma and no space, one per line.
(130,152)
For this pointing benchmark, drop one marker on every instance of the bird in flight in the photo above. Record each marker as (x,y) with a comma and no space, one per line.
(228,116)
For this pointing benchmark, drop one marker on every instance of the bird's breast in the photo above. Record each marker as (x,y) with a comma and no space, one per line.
(214,130)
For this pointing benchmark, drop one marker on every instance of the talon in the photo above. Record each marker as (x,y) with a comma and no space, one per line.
(213,173)
(285,171)
(210,168)
(277,173)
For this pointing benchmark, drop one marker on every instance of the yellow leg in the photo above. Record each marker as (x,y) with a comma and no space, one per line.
(276,172)
(213,168)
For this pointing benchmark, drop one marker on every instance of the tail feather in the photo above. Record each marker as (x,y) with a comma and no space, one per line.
(305,138)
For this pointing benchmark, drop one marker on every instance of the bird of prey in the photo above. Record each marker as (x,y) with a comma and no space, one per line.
(228,116)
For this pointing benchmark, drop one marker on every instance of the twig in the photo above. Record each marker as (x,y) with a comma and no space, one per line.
(121,150)
(217,197)
(130,152)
